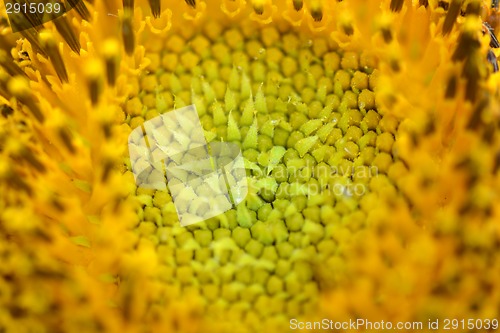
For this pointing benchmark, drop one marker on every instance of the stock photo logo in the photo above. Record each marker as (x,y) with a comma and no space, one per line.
(204,179)
(24,14)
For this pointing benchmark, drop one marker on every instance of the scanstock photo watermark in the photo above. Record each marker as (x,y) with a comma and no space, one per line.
(430,325)
(306,178)
(28,14)
(170,152)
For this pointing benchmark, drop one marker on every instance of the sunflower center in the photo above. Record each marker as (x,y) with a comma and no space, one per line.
(305,117)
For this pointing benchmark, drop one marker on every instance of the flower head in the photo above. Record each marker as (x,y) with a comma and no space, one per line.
(369,133)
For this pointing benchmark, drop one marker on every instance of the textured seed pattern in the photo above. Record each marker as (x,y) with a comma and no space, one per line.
(76,233)
(305,118)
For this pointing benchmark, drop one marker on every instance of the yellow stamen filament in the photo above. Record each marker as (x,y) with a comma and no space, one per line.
(50,45)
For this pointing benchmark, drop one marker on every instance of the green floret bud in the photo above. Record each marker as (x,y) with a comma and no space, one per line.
(337,89)
(267,188)
(244,216)
(384,142)
(304,145)
(202,255)
(325,131)
(292,284)
(354,133)
(275,155)
(263,158)
(389,124)
(343,79)
(260,276)
(153,214)
(311,126)
(241,236)
(254,201)
(351,149)
(297,119)
(295,222)
(248,114)
(280,137)
(300,201)
(203,237)
(212,224)
(350,99)
(313,230)
(280,173)
(366,100)
(319,153)
(233,131)
(221,233)
(312,212)
(359,81)
(264,212)
(335,135)
(285,250)
(303,271)
(352,117)
(184,256)
(264,143)
(230,100)
(254,248)
(234,79)
(268,128)
(326,247)
(244,275)
(370,121)
(210,291)
(251,137)
(219,114)
(382,162)
(270,254)
(260,101)
(231,291)
(183,237)
(185,275)
(279,230)
(283,267)
(252,292)
(282,192)
(369,139)
(262,232)
(251,154)
(294,137)
(274,285)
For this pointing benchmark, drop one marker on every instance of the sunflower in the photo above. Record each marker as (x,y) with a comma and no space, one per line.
(369,132)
